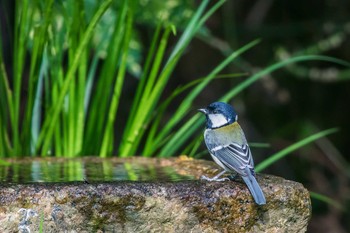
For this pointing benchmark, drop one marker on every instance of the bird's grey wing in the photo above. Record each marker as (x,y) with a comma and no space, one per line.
(234,157)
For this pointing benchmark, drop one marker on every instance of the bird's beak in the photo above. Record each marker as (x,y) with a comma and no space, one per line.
(203,110)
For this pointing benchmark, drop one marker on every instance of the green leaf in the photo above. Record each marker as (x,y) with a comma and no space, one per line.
(279,155)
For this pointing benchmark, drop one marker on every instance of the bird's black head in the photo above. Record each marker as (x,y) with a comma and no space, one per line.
(219,114)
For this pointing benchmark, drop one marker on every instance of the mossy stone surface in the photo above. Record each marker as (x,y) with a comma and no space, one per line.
(156,206)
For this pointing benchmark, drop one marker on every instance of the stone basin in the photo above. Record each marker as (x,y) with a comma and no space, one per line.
(143,195)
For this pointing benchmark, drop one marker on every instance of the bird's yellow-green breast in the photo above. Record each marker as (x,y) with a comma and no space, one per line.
(228,134)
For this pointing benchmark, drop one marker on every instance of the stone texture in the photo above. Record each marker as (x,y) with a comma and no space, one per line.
(182,206)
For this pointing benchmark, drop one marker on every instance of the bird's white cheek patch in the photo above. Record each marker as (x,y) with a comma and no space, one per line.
(217,120)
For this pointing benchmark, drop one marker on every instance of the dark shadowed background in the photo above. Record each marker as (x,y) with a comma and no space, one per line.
(290,103)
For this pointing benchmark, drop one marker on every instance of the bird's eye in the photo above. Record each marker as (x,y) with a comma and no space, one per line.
(215,112)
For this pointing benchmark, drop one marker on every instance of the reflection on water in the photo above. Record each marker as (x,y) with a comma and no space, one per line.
(79,170)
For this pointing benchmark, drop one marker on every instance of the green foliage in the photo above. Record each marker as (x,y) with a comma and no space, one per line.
(67,109)
(152,84)
(76,72)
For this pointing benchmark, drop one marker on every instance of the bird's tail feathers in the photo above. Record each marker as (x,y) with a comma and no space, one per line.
(254,188)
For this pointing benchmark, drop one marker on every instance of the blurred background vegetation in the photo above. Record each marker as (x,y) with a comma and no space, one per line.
(124,77)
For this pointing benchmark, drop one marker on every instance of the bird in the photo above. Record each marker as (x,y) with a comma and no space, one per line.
(228,147)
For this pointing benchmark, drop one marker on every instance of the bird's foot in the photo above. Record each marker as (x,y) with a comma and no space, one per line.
(214,178)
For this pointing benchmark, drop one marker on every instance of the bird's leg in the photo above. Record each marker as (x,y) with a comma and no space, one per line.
(215,178)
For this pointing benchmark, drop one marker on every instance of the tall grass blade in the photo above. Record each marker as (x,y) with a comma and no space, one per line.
(89,83)
(107,141)
(173,145)
(154,141)
(277,66)
(143,111)
(22,24)
(6,112)
(275,157)
(181,136)
(187,102)
(50,121)
(143,78)
(36,112)
(133,136)
(102,94)
(327,200)
(189,31)
(38,66)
